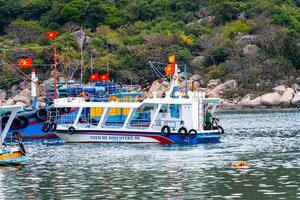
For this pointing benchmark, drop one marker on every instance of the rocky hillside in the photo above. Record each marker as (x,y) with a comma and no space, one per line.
(254,42)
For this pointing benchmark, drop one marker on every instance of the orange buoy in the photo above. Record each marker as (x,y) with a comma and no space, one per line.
(240,164)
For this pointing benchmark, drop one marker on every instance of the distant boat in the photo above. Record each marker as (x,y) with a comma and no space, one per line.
(13,152)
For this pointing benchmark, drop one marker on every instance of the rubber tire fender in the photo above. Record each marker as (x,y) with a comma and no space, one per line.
(221,129)
(182,132)
(192,133)
(16,124)
(53,126)
(4,121)
(46,127)
(24,121)
(71,130)
(41,114)
(165,130)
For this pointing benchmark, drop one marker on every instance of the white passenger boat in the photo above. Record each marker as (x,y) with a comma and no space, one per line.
(178,117)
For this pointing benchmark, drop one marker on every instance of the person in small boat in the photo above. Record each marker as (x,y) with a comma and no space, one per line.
(208,118)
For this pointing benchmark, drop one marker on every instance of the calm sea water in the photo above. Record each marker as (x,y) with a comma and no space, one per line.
(268,140)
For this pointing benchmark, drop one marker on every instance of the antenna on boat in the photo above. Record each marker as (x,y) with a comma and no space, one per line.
(81,55)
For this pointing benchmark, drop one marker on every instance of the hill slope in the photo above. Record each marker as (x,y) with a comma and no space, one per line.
(256,42)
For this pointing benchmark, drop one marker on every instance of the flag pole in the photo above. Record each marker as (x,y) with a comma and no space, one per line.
(55,71)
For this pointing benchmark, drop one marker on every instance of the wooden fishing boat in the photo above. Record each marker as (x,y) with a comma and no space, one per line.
(13,152)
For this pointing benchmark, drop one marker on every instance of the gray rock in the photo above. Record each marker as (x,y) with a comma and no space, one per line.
(296,99)
(280,89)
(9,102)
(250,50)
(14,90)
(296,87)
(287,97)
(230,85)
(26,93)
(195,77)
(255,103)
(21,98)
(213,83)
(270,99)
(298,80)
(21,103)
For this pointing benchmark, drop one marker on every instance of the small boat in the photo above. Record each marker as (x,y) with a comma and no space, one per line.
(13,152)
(177,117)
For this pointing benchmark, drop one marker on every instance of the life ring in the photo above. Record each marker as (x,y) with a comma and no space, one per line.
(192,133)
(221,129)
(46,126)
(165,130)
(71,130)
(53,126)
(41,114)
(4,121)
(182,132)
(24,121)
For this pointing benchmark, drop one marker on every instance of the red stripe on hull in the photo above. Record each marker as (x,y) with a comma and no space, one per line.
(45,136)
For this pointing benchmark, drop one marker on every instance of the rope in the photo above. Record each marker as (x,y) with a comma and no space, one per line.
(21,74)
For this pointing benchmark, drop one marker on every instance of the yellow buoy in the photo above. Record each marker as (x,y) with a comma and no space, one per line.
(240,164)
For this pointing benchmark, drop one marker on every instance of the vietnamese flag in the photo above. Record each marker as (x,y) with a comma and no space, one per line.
(170,69)
(104,77)
(51,35)
(94,77)
(25,63)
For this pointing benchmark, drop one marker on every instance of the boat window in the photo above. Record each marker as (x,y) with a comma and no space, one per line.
(116,117)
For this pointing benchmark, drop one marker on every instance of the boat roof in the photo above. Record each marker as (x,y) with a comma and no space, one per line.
(4,109)
(81,103)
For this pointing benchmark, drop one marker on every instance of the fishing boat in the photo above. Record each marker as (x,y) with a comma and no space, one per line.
(177,117)
(13,152)
(34,122)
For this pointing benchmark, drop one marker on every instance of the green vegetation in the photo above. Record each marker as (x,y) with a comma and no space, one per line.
(126,34)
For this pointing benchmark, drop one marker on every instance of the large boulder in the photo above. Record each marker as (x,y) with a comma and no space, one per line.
(287,97)
(213,83)
(21,98)
(270,99)
(159,88)
(255,103)
(250,103)
(298,80)
(218,91)
(21,104)
(195,77)
(26,93)
(280,89)
(296,99)
(14,90)
(296,87)
(9,102)
(245,101)
(250,50)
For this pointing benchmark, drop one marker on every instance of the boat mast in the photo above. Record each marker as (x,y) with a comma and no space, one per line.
(81,56)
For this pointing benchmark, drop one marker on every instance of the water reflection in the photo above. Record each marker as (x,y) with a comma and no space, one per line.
(269,141)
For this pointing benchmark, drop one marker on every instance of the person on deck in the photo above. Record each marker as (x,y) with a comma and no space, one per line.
(208,118)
